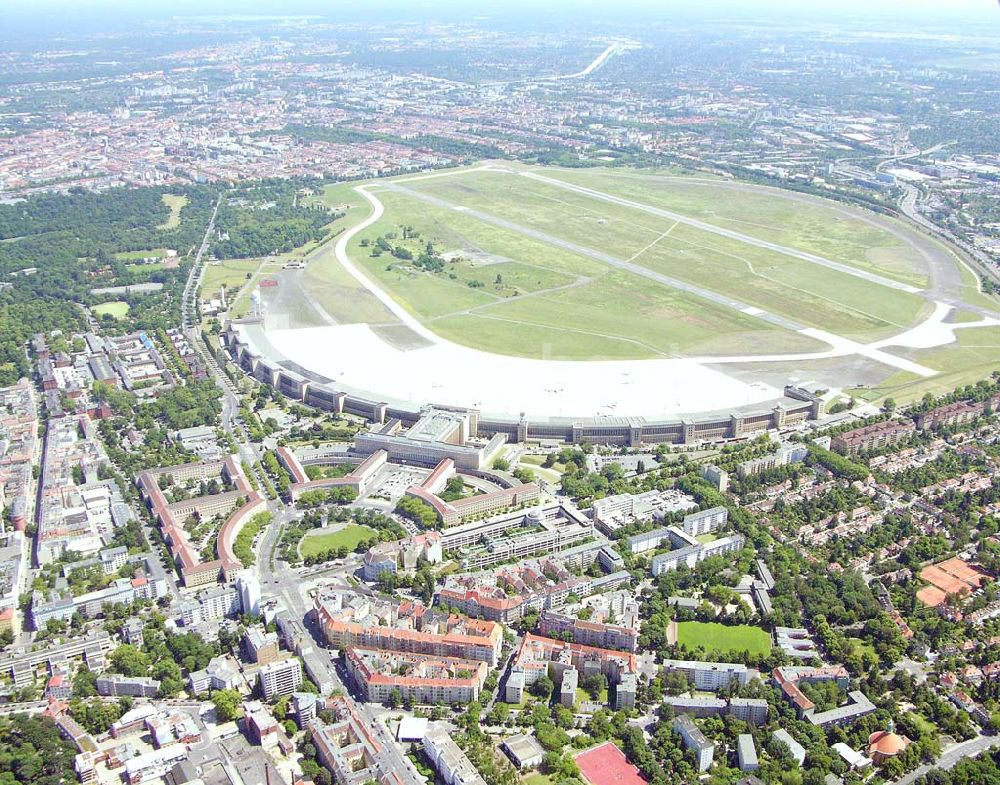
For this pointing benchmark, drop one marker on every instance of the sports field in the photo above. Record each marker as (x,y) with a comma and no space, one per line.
(721,638)
(509,263)
(348,537)
(117,309)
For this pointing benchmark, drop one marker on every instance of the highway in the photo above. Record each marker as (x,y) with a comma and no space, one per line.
(616,48)
(984,266)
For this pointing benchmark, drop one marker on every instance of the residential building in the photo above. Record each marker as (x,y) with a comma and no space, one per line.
(114,684)
(746,753)
(709,676)
(347,748)
(415,677)
(221,673)
(797,751)
(280,678)
(692,554)
(538,656)
(448,759)
(751,710)
(605,636)
(261,647)
(873,437)
(305,706)
(411,628)
(695,741)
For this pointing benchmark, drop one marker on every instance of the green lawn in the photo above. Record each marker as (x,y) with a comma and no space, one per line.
(863,646)
(233,273)
(921,722)
(547,292)
(723,638)
(176,203)
(806,223)
(973,356)
(537,778)
(348,537)
(132,255)
(582,696)
(116,308)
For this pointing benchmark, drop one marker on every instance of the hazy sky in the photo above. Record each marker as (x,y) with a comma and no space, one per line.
(331,7)
(54,18)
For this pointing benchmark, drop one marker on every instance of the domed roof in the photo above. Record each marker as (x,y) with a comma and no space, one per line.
(886,743)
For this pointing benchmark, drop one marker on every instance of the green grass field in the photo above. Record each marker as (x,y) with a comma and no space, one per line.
(924,724)
(722,638)
(582,696)
(176,204)
(526,268)
(231,272)
(116,308)
(782,284)
(132,255)
(975,355)
(348,537)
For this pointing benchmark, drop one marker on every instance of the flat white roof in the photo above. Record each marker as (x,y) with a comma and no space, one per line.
(412,729)
(449,374)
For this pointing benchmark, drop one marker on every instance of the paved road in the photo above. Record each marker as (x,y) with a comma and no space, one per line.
(230,400)
(983,264)
(948,759)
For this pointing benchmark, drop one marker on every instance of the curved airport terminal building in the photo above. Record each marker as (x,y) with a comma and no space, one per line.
(251,350)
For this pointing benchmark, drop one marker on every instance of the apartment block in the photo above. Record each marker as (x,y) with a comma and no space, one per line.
(872,437)
(412,629)
(695,741)
(280,678)
(605,636)
(709,676)
(418,678)
(539,656)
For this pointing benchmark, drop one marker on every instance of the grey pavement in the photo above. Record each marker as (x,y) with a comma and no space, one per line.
(951,756)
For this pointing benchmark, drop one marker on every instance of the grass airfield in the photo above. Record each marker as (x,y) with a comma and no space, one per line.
(626,265)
